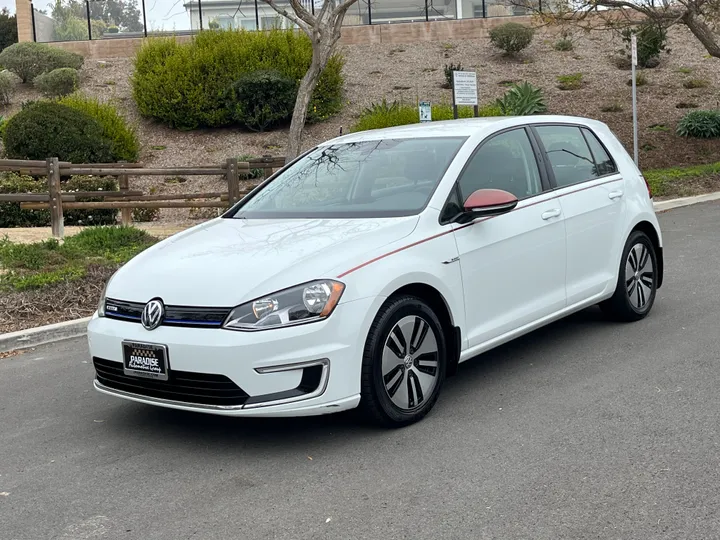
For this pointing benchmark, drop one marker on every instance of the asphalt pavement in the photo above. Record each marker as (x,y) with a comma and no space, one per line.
(583,429)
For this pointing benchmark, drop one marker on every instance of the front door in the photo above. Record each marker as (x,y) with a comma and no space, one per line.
(513,265)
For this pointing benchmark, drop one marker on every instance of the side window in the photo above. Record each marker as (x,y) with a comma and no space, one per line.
(604,164)
(506,162)
(568,153)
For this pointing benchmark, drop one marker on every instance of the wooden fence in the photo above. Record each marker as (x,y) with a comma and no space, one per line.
(126,199)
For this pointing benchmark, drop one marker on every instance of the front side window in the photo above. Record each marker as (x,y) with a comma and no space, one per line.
(387,178)
(568,153)
(506,162)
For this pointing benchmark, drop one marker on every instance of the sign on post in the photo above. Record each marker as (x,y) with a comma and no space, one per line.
(425,111)
(465,88)
(633,45)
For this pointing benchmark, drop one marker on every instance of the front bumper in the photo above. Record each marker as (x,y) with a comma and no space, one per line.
(270,369)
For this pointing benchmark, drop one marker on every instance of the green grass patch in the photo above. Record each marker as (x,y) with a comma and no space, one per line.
(665,182)
(37,265)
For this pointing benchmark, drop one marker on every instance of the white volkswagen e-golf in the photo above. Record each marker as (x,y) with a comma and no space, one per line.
(363,272)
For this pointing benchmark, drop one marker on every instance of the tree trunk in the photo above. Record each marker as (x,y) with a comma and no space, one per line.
(703,33)
(321,55)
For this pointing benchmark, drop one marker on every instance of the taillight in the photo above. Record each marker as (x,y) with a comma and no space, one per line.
(647,186)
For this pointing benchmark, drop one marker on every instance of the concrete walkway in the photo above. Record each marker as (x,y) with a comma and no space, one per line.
(27,235)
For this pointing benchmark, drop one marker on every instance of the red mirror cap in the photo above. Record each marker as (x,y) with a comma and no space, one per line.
(487,198)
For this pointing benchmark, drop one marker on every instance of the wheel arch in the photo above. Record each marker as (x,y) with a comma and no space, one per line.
(440,306)
(652,233)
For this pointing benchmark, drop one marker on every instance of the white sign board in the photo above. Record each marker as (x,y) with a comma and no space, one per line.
(633,41)
(425,111)
(465,88)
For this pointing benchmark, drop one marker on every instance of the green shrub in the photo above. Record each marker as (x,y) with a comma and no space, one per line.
(28,60)
(700,124)
(262,99)
(611,107)
(563,45)
(511,37)
(94,216)
(651,42)
(449,68)
(252,174)
(383,115)
(12,216)
(570,82)
(640,79)
(186,85)
(692,84)
(117,244)
(113,30)
(521,100)
(58,82)
(123,137)
(7,87)
(46,129)
(10,213)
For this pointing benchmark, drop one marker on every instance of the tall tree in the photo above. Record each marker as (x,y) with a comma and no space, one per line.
(323,27)
(701,17)
(122,13)
(8,29)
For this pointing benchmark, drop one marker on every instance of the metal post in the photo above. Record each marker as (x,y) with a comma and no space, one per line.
(312,6)
(87,10)
(484,11)
(427,14)
(32,17)
(200,12)
(144,18)
(369,12)
(56,211)
(257,17)
(634,99)
(540,5)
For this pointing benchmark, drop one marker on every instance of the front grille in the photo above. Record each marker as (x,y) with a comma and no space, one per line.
(184,386)
(187,316)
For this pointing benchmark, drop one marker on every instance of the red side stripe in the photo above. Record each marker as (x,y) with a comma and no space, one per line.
(480,220)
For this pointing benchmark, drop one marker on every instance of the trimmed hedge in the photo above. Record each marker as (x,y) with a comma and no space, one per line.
(46,129)
(12,216)
(123,137)
(186,85)
(58,82)
(28,60)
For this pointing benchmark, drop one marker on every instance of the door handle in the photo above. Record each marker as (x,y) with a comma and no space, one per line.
(615,194)
(555,212)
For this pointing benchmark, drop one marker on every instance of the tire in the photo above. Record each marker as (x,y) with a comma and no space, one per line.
(405,347)
(636,286)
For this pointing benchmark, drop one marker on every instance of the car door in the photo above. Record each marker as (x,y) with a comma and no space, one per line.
(590,192)
(512,265)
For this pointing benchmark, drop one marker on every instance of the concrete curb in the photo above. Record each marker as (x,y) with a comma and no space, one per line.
(78,327)
(41,335)
(664,206)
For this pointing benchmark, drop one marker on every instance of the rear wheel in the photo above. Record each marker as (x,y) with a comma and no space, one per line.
(404,363)
(637,280)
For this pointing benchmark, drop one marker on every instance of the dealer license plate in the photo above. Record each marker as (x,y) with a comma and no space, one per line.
(145,360)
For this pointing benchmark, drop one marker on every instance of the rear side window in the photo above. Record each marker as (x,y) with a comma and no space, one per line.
(568,153)
(604,164)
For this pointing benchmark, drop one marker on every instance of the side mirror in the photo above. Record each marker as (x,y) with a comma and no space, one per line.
(489,202)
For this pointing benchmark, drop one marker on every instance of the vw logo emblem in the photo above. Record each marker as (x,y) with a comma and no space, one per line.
(153,314)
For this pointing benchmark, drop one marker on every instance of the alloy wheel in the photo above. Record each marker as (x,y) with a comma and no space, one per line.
(639,276)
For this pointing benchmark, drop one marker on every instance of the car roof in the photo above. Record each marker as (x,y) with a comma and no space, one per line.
(464,127)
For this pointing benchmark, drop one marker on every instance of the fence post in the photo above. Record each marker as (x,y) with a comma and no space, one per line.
(125,213)
(233,181)
(56,211)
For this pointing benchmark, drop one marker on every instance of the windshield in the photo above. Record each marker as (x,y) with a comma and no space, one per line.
(388,178)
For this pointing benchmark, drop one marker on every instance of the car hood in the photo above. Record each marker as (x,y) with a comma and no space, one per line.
(225,262)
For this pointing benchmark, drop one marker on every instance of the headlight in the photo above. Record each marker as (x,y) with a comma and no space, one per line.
(101,303)
(306,303)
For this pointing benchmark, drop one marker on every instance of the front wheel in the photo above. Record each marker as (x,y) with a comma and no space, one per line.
(637,281)
(404,363)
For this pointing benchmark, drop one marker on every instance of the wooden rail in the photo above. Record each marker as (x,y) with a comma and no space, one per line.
(126,199)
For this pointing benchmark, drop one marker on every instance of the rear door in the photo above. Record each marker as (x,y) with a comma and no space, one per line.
(591,194)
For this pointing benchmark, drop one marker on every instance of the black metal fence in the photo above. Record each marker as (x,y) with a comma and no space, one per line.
(81,20)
